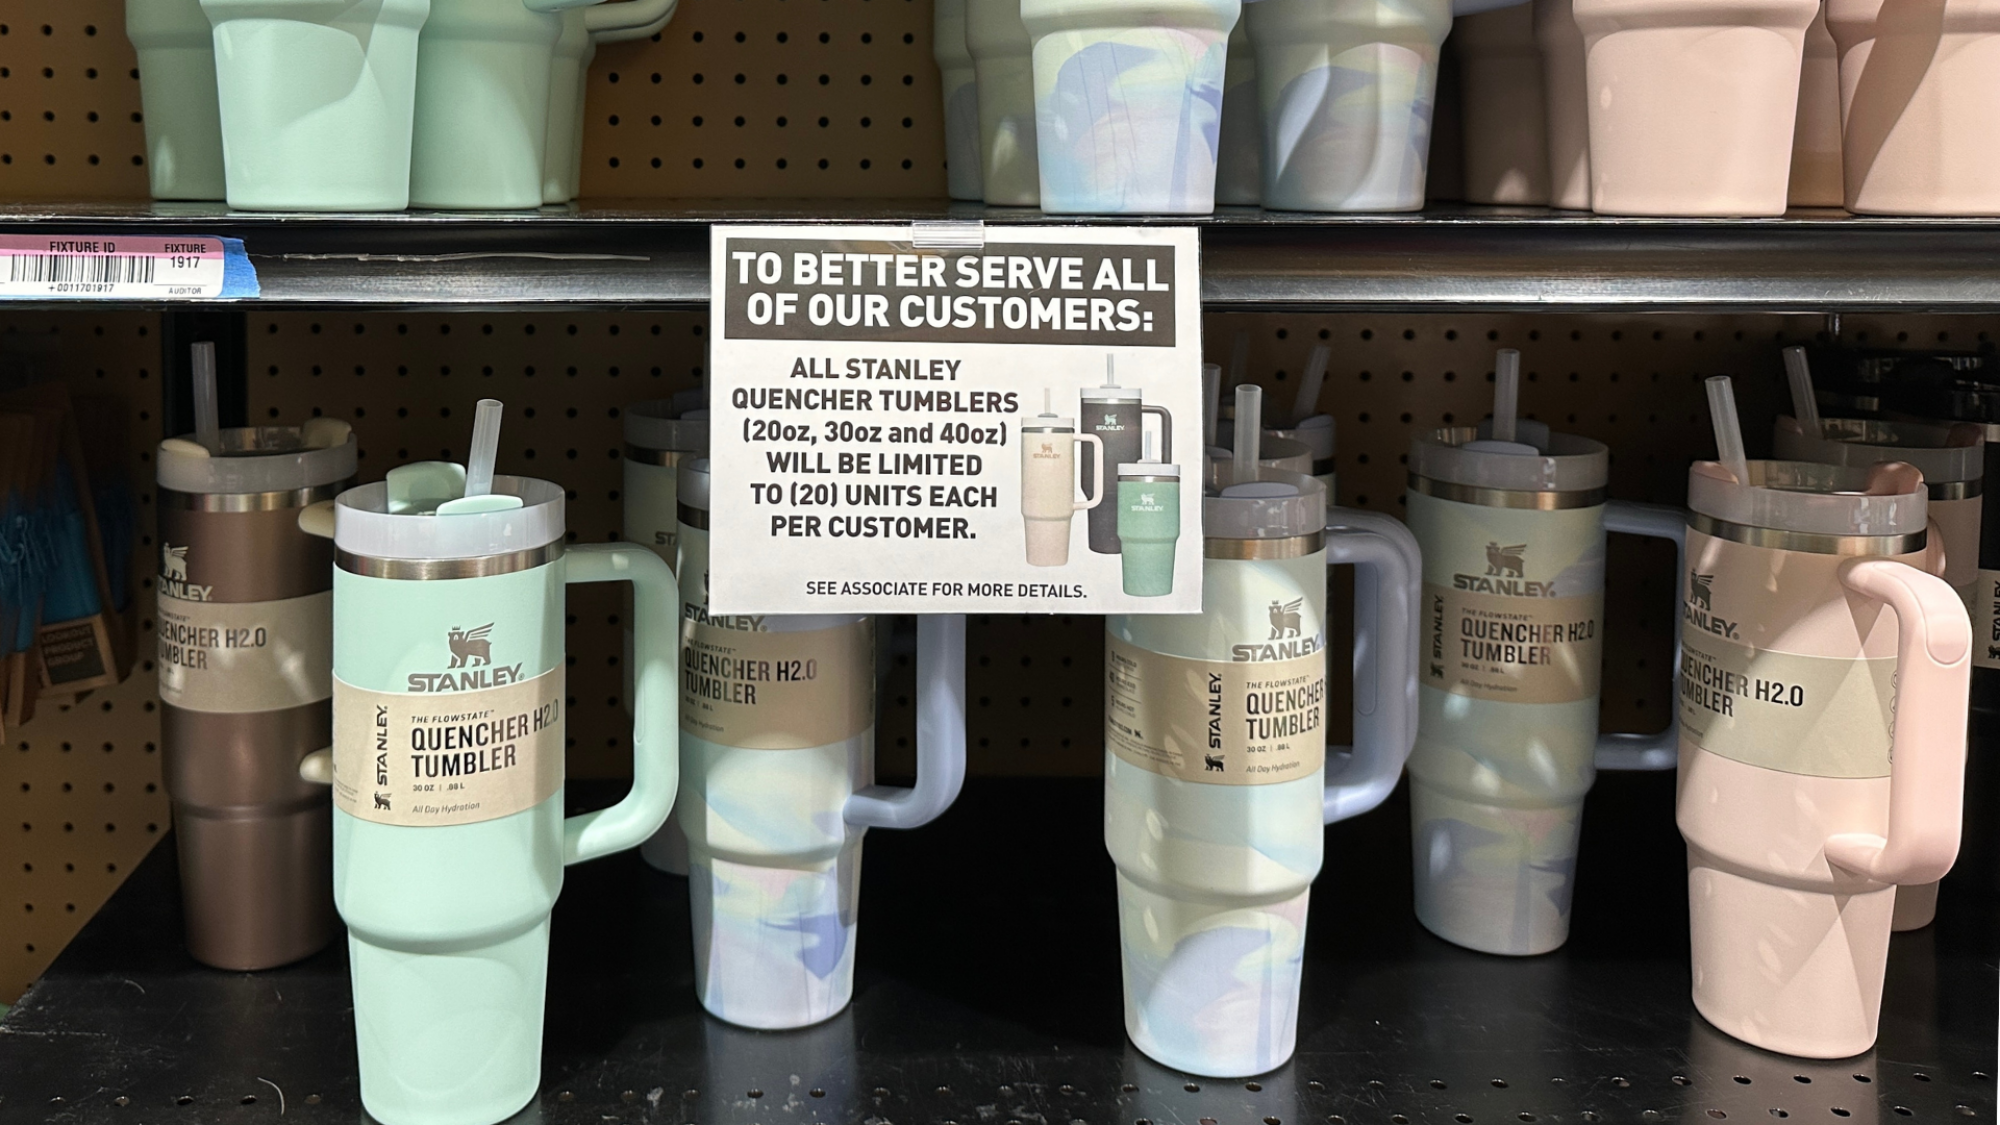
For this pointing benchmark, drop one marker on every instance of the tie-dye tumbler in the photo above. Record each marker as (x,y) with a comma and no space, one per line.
(1511,654)
(778,760)
(1218,781)
(1128,103)
(960,82)
(1346,88)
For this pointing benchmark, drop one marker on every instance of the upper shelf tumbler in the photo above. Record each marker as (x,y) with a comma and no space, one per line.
(1003,62)
(1217,781)
(1346,88)
(1920,90)
(1128,103)
(583,29)
(176,49)
(1822,738)
(449,838)
(778,788)
(1506,107)
(317,101)
(1692,103)
(245,631)
(960,84)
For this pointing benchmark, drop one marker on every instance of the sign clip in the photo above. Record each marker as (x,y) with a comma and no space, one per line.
(948,234)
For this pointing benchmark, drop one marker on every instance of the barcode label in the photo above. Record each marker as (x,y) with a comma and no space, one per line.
(81,266)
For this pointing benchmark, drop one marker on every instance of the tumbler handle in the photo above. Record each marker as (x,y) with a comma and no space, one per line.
(1166,430)
(1096,493)
(940,734)
(612,23)
(1927,750)
(1388,566)
(655,703)
(1660,750)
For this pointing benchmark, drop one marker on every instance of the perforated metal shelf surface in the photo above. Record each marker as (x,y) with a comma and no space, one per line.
(655,253)
(988,994)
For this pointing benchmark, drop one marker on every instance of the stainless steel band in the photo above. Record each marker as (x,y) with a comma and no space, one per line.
(251,501)
(431,570)
(644,456)
(1955,489)
(1149,479)
(694,517)
(1323,467)
(1808,541)
(1297,546)
(1507,497)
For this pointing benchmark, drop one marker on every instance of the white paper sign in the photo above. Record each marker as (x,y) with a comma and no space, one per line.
(912,430)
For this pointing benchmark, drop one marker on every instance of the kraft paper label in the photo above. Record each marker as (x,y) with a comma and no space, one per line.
(1216,722)
(1982,601)
(1513,649)
(236,657)
(425,761)
(1814,715)
(747,687)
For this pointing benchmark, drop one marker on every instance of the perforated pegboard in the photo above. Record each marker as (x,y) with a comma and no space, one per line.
(407,383)
(80,794)
(737,98)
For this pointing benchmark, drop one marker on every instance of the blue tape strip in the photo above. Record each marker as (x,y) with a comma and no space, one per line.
(239,277)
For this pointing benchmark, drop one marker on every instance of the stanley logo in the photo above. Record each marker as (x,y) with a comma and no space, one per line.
(1505,575)
(174,576)
(471,651)
(1695,611)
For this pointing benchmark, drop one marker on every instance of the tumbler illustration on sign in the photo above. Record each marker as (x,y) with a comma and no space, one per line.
(449,838)
(1512,521)
(245,656)
(777,717)
(1822,738)
(659,435)
(1216,725)
(1149,523)
(1953,462)
(1115,416)
(1048,482)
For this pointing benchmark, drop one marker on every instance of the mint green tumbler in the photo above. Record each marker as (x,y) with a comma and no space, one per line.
(316,99)
(449,839)
(1149,522)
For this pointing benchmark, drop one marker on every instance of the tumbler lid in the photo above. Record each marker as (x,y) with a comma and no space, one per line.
(1277,505)
(1111,391)
(1539,460)
(1148,464)
(668,425)
(1887,498)
(260,459)
(363,524)
(1943,453)
(1316,433)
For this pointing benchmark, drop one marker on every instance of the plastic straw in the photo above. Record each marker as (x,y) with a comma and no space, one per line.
(1506,394)
(207,415)
(1314,378)
(1110,371)
(1728,429)
(1211,402)
(1152,443)
(1239,359)
(485,448)
(1249,431)
(1798,370)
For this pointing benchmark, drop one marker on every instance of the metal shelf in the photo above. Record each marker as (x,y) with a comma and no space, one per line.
(643,253)
(988,992)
